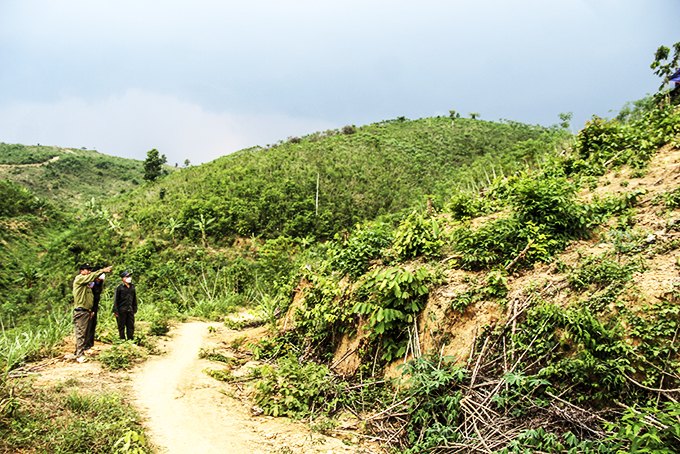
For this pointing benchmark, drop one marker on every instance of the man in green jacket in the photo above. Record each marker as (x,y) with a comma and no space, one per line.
(83,299)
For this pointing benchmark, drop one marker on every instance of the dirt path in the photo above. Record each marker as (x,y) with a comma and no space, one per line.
(185,411)
(12,166)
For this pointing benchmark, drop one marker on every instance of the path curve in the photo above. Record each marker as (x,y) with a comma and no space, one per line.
(184,411)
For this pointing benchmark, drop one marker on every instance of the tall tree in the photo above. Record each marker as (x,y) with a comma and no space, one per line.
(153,165)
(664,66)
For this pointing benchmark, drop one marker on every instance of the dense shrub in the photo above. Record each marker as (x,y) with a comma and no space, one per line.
(366,243)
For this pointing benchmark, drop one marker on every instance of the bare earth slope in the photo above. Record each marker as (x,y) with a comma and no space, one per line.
(185,412)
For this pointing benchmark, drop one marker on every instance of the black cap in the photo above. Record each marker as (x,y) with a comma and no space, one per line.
(125,274)
(85,266)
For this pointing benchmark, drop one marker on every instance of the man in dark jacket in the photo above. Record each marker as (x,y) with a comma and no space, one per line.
(125,306)
(97,287)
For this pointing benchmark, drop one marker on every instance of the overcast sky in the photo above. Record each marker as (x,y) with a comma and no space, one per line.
(199,79)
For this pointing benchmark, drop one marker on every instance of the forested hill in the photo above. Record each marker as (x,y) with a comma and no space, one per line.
(325,182)
(68,177)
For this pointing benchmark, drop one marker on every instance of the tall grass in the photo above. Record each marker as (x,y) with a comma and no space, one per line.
(20,345)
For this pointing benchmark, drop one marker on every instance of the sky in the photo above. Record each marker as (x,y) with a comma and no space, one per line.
(204,78)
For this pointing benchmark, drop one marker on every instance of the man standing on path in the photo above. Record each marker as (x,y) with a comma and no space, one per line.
(97,287)
(125,306)
(83,299)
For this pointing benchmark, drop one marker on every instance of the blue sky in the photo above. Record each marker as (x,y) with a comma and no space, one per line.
(201,79)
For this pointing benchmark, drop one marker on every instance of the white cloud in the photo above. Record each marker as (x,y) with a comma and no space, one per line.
(131,124)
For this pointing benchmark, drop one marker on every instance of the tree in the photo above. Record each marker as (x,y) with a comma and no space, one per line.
(474,115)
(153,165)
(663,68)
(566,118)
(453,115)
(187,163)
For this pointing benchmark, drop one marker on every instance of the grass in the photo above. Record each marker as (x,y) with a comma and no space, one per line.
(19,347)
(62,419)
(122,356)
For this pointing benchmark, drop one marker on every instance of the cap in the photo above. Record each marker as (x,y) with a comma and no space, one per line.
(85,266)
(125,274)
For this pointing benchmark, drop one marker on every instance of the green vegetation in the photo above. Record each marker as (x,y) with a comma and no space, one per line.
(325,183)
(60,419)
(121,356)
(68,177)
(602,357)
(391,232)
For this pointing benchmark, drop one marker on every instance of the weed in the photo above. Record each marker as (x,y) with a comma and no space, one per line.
(416,236)
(234,324)
(132,443)
(215,355)
(221,374)
(367,243)
(391,298)
(601,271)
(237,343)
(121,356)
(45,420)
(293,389)
(434,404)
(496,287)
(323,425)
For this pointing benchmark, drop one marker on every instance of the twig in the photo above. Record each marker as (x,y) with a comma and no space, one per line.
(479,360)
(375,358)
(370,418)
(474,424)
(441,356)
(575,407)
(520,255)
(361,385)
(606,164)
(343,357)
(663,375)
(656,390)
(450,258)
(517,362)
(416,337)
(472,346)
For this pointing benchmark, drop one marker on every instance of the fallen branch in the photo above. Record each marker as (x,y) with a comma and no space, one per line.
(387,409)
(575,407)
(520,255)
(656,390)
(450,258)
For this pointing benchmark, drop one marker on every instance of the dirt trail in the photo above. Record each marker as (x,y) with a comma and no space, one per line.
(12,166)
(185,411)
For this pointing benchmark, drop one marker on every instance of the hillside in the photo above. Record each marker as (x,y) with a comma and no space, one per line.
(536,312)
(68,177)
(383,169)
(323,183)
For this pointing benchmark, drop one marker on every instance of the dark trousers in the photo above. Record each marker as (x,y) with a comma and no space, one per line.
(126,325)
(89,342)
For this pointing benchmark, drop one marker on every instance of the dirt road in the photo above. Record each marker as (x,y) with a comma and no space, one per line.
(185,412)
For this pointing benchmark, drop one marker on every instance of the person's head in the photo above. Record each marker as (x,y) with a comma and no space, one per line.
(85,269)
(126,276)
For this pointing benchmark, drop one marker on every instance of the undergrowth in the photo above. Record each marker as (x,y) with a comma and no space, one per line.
(63,419)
